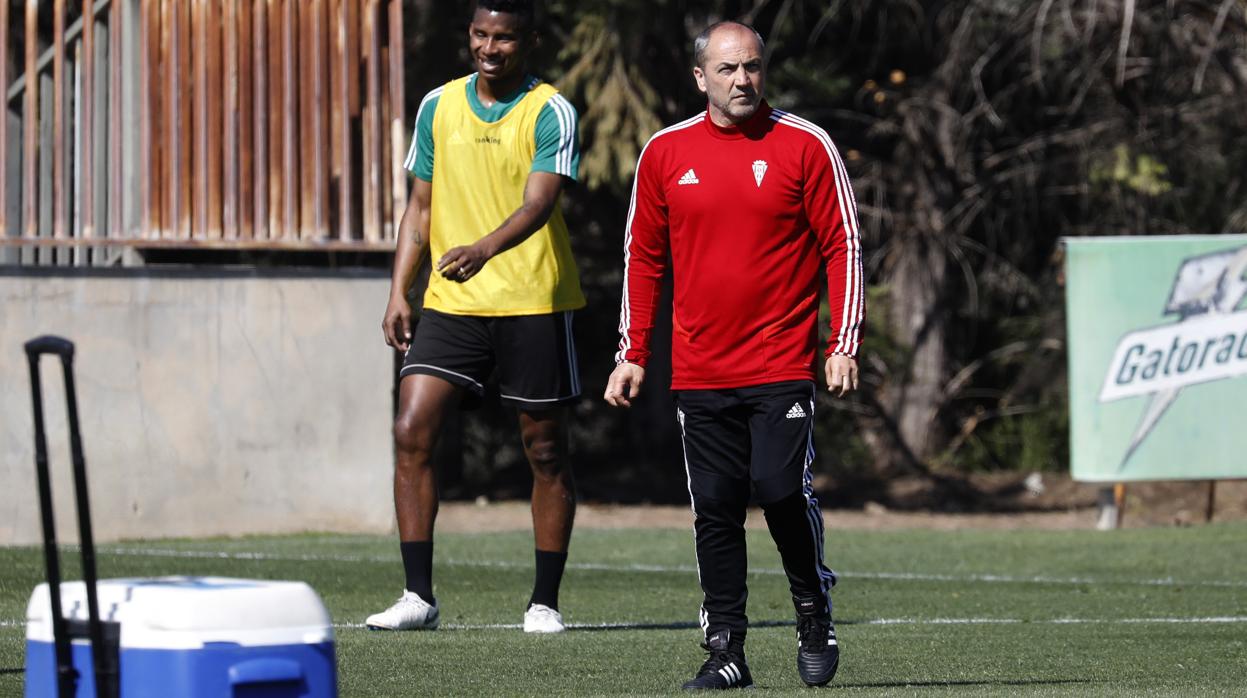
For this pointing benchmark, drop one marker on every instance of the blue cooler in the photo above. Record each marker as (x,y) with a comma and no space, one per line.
(194,636)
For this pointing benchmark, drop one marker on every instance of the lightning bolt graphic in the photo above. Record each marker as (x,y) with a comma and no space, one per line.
(1209,285)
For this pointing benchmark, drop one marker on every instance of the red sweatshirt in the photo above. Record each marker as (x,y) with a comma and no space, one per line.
(749,217)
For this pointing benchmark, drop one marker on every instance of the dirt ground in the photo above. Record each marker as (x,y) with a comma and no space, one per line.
(1008,501)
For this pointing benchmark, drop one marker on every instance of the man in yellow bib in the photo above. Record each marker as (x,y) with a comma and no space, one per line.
(490,156)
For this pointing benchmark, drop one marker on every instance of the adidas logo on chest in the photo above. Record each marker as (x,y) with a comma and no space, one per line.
(689,177)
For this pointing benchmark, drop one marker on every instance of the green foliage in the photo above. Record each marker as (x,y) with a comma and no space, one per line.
(799,81)
(1037,441)
(842,430)
(1141,173)
(621,113)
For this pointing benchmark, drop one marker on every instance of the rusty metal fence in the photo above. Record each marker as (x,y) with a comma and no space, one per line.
(271,124)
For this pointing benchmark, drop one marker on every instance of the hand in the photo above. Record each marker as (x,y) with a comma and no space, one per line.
(396,326)
(841,374)
(462,263)
(624,384)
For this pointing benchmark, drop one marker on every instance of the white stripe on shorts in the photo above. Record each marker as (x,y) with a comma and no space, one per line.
(406,371)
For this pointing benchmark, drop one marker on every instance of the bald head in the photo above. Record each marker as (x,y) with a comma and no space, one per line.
(731,70)
(726,31)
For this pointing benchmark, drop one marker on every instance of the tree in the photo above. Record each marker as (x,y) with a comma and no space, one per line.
(994,128)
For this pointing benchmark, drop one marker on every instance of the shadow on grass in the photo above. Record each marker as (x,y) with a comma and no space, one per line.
(936,684)
(6,670)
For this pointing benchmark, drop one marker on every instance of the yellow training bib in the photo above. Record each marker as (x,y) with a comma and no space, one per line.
(479,173)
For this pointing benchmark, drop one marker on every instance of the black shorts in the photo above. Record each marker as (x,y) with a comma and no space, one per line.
(534,355)
(761,435)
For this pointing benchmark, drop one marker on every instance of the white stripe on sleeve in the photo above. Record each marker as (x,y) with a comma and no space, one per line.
(414,150)
(567,134)
(849,336)
(625,313)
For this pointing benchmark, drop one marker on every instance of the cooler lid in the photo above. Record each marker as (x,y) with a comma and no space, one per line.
(186,612)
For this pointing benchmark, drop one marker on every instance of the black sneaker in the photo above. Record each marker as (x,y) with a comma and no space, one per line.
(724,668)
(818,655)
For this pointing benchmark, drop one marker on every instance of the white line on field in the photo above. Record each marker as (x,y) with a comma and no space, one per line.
(1049,621)
(873,621)
(1011,579)
(682,569)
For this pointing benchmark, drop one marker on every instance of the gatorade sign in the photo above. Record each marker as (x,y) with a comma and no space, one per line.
(1168,358)
(1159,327)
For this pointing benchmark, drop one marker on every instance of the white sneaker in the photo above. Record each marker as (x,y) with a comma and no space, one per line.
(540,618)
(410,612)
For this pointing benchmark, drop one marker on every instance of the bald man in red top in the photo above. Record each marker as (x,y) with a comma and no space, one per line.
(753,208)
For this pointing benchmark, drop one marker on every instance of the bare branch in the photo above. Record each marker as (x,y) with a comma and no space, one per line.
(1222,13)
(1037,43)
(1127,23)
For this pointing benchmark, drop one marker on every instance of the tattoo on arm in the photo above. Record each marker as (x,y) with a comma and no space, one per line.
(511,217)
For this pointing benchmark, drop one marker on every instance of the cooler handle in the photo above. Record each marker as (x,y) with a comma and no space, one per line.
(265,671)
(50,344)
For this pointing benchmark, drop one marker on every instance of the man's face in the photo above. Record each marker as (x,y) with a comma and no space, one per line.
(499,43)
(733,74)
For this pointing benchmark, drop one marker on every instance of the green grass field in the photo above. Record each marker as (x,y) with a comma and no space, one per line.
(1143,611)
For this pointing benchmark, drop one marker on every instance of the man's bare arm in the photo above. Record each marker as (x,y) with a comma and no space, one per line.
(413,247)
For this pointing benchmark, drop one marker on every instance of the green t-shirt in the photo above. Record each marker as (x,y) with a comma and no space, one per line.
(558,144)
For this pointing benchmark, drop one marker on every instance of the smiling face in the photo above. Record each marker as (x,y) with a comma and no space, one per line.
(732,74)
(499,43)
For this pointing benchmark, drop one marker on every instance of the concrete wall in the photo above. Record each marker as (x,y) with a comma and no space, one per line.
(211,402)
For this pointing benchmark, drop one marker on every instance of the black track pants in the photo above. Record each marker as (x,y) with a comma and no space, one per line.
(752,439)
